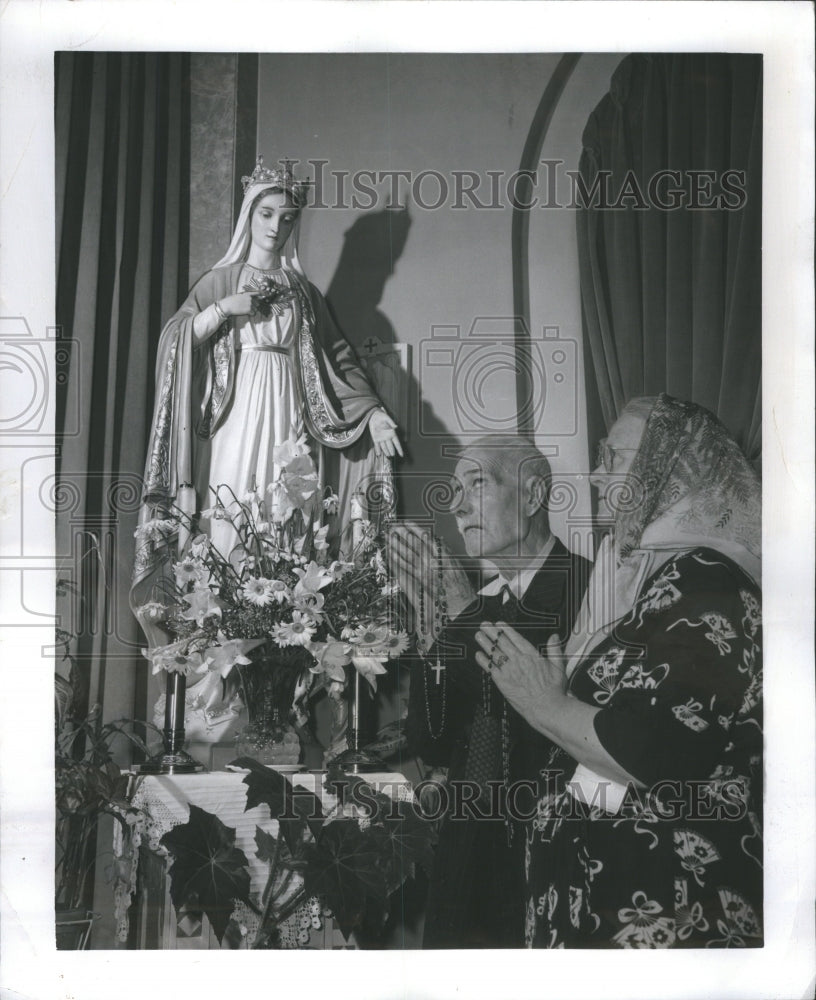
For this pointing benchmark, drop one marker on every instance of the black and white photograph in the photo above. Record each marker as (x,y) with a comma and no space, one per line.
(406,441)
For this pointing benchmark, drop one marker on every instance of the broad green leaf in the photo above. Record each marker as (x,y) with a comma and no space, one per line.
(266,844)
(292,808)
(403,839)
(208,872)
(343,871)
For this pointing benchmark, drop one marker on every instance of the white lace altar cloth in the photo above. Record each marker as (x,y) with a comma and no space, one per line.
(163,801)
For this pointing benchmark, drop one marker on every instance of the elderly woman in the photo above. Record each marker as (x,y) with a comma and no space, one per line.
(648,825)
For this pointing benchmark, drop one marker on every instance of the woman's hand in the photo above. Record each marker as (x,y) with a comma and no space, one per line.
(240,304)
(536,686)
(384,434)
(533,684)
(413,561)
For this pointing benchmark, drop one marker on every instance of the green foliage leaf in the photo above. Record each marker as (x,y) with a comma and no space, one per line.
(343,871)
(265,845)
(402,836)
(404,840)
(208,872)
(294,809)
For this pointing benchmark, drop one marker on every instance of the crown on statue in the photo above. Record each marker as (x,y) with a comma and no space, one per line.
(279,177)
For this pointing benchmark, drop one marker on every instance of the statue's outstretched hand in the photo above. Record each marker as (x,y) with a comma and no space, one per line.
(384,434)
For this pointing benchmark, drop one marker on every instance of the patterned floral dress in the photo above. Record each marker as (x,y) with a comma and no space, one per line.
(676,860)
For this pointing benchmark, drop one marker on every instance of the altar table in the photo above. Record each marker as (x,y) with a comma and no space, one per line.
(163,802)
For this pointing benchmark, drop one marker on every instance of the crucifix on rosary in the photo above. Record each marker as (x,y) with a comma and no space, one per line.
(440,617)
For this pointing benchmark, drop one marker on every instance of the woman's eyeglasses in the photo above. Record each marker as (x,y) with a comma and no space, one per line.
(606,454)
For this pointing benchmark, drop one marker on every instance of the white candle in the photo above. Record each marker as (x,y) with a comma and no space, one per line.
(357,516)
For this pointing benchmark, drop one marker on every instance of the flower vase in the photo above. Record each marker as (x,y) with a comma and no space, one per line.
(266,737)
(173,759)
(362,727)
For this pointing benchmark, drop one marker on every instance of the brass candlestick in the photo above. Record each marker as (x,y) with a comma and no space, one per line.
(174,759)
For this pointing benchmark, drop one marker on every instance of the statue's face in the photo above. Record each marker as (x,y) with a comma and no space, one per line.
(273,220)
(617,453)
(489,515)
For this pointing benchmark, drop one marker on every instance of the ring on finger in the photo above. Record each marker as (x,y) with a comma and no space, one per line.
(500,660)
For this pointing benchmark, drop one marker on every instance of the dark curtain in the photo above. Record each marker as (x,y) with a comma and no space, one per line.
(122,126)
(671,298)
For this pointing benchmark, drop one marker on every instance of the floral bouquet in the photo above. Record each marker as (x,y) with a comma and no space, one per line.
(269,297)
(277,610)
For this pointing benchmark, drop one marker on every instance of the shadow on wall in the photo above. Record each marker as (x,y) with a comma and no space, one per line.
(372,246)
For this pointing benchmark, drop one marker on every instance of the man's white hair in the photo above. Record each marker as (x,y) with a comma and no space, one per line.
(510,458)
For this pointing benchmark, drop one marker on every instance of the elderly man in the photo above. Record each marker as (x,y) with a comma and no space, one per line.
(457,719)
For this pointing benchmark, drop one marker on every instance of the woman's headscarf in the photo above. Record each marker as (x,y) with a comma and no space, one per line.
(694,487)
(689,486)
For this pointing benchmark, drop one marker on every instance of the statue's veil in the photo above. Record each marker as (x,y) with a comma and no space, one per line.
(239,245)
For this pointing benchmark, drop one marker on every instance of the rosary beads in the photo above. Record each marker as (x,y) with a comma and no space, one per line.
(440,623)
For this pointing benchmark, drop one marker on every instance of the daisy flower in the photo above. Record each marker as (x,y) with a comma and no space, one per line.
(257,591)
(190,570)
(298,632)
(279,591)
(174,658)
(396,644)
(369,637)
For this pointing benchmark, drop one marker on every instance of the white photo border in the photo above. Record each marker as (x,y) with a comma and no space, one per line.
(30,33)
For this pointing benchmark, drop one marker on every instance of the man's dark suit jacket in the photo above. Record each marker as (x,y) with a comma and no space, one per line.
(476,894)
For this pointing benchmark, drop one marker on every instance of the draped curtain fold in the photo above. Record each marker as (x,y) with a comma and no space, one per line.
(122,126)
(671,298)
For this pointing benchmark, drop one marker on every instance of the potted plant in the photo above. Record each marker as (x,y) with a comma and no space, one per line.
(88,785)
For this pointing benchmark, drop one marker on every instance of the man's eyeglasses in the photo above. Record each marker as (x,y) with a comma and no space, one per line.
(606,454)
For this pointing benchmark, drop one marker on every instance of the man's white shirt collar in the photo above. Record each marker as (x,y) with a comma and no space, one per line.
(520,583)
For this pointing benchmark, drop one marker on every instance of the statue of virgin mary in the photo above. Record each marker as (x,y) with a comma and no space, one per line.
(251,360)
